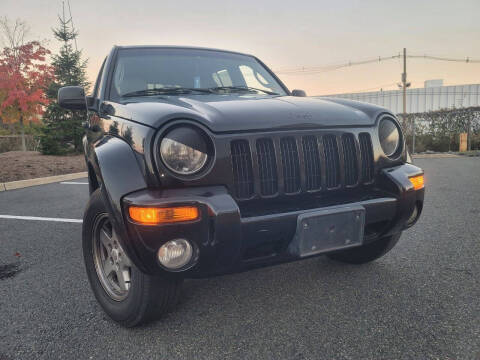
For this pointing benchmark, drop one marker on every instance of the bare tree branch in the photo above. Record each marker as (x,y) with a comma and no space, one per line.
(13,34)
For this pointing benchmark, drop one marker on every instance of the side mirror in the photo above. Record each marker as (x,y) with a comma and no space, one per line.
(299,93)
(72,98)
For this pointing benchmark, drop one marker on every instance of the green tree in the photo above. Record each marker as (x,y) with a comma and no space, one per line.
(62,132)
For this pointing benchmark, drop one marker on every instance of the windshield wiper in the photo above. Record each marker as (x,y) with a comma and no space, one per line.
(183,90)
(242,88)
(165,91)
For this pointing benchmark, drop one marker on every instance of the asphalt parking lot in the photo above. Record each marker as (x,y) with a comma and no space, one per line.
(421,301)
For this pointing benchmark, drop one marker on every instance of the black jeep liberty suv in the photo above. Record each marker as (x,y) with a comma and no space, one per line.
(201,162)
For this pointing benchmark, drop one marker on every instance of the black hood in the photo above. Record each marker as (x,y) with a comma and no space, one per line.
(234,113)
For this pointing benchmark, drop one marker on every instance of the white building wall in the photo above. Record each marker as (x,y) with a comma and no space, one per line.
(421,99)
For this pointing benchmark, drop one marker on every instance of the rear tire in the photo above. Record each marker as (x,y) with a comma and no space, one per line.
(368,252)
(127,295)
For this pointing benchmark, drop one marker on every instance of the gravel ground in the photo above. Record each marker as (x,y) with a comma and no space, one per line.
(420,301)
(19,165)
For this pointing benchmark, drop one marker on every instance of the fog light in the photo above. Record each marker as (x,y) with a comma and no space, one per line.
(175,254)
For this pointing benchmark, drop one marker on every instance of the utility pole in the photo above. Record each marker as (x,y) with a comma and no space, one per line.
(73,27)
(469,141)
(405,84)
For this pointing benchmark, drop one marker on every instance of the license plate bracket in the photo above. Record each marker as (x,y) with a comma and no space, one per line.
(328,229)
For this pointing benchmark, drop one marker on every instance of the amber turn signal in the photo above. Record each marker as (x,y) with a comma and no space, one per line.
(155,216)
(417,182)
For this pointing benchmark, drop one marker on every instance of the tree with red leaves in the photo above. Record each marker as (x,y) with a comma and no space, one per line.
(24,77)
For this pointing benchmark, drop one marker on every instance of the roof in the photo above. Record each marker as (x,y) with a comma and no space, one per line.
(178,47)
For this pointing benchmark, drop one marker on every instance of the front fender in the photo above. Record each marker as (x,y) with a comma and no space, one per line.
(119,174)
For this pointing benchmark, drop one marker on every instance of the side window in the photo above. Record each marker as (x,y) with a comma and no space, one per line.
(254,79)
(222,78)
(97,82)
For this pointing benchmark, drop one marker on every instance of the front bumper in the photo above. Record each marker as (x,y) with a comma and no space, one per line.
(228,242)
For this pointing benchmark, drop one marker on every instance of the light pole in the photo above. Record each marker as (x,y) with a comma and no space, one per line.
(404,86)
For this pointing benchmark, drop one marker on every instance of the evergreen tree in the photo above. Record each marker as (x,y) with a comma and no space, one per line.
(62,131)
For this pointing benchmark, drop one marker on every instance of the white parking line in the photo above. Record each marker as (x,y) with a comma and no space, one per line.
(36,218)
(73,183)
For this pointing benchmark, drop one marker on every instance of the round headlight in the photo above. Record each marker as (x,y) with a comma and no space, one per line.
(389,135)
(184,150)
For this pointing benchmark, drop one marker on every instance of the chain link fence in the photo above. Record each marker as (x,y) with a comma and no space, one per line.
(440,130)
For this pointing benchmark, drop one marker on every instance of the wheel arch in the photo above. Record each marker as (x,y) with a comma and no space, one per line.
(92,178)
(116,172)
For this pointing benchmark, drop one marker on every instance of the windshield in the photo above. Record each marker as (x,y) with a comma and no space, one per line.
(156,71)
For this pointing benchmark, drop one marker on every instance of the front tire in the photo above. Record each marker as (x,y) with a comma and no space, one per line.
(368,252)
(127,295)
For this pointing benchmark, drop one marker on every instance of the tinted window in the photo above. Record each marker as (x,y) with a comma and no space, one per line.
(142,69)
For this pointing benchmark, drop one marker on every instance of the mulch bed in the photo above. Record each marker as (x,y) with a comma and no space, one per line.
(19,165)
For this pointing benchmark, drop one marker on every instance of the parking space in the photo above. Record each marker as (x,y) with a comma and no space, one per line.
(62,200)
(421,301)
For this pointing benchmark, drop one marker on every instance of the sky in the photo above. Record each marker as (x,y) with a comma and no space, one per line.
(284,34)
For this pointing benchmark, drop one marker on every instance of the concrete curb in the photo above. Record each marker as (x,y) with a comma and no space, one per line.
(40,181)
(432,156)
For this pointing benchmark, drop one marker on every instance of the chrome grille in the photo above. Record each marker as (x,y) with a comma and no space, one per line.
(267,167)
(332,161)
(291,167)
(366,151)
(242,169)
(350,159)
(276,165)
(313,176)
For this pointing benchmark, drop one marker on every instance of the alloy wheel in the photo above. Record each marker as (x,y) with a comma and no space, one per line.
(112,264)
